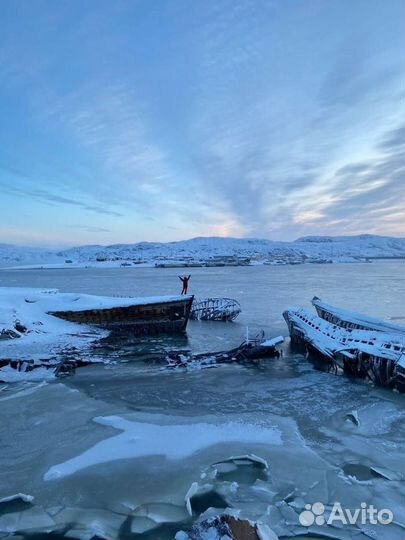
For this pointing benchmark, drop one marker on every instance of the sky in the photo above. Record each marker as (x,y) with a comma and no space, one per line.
(125,121)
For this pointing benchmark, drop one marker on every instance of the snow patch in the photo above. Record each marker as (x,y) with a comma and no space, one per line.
(173,441)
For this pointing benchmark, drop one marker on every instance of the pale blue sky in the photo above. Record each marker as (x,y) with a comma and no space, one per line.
(138,120)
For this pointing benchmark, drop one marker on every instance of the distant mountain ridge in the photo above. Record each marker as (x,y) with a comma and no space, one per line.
(360,237)
(336,248)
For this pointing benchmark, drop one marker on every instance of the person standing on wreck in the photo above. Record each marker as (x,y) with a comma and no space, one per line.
(185,280)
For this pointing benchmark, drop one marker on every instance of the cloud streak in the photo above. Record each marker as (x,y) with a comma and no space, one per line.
(234,117)
(52,198)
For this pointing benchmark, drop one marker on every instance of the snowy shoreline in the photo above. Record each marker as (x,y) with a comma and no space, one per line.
(129,264)
(216,251)
(33,339)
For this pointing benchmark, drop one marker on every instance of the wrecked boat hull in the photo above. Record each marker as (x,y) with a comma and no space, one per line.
(351,320)
(364,355)
(139,319)
(250,351)
(215,309)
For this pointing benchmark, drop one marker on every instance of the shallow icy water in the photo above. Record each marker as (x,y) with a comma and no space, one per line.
(93,449)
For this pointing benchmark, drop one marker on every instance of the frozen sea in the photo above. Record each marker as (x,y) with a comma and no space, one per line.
(113,450)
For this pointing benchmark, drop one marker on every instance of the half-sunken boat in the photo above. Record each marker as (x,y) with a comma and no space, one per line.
(250,350)
(356,321)
(215,309)
(149,315)
(378,356)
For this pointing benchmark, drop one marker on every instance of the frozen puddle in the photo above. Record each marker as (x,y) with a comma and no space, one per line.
(175,442)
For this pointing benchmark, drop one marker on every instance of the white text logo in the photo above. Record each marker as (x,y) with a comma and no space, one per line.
(315,514)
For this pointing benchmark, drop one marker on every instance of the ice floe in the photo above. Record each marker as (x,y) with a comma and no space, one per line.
(33,519)
(17,496)
(29,389)
(150,515)
(87,523)
(173,441)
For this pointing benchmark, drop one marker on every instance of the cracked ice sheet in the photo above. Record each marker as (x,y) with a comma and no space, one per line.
(39,425)
(175,441)
(294,467)
(378,443)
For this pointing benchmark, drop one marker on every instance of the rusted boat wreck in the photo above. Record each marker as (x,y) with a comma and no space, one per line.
(149,315)
(376,355)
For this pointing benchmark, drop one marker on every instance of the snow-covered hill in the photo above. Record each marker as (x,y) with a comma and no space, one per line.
(11,255)
(307,249)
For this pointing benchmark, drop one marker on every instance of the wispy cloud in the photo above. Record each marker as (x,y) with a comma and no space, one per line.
(367,196)
(28,191)
(236,117)
(86,228)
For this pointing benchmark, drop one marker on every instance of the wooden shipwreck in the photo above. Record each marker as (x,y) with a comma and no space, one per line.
(367,353)
(356,321)
(249,351)
(141,316)
(215,309)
